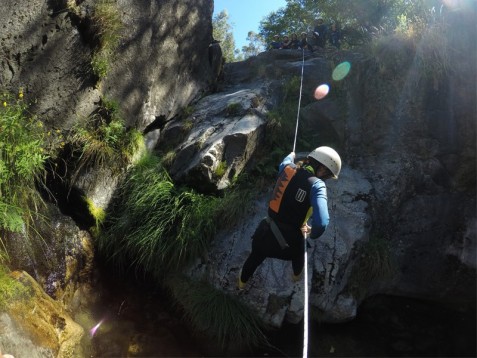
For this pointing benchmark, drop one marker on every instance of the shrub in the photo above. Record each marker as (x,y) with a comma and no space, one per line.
(22,158)
(153,224)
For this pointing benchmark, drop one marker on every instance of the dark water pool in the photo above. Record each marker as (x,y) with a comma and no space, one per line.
(139,321)
(133,319)
(387,326)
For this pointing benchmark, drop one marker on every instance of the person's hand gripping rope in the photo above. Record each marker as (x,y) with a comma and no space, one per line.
(305,230)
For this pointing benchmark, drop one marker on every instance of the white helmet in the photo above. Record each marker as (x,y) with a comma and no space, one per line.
(329,158)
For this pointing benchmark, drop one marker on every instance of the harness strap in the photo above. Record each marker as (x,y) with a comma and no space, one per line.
(277,233)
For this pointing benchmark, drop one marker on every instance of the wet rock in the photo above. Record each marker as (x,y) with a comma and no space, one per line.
(60,260)
(38,316)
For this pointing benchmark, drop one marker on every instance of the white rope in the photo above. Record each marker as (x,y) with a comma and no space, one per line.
(305,266)
(305,304)
(299,99)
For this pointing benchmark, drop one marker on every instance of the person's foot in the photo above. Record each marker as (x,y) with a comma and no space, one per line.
(297,278)
(240,284)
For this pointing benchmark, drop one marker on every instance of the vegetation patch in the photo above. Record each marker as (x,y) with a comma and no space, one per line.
(188,110)
(10,289)
(103,141)
(220,316)
(281,126)
(187,125)
(156,226)
(282,120)
(374,264)
(168,158)
(107,28)
(233,109)
(22,156)
(221,169)
(97,213)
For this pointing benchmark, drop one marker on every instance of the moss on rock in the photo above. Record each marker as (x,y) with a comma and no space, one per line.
(44,319)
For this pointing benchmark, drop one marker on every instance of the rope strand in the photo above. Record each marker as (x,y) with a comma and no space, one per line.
(305,266)
(305,303)
(299,99)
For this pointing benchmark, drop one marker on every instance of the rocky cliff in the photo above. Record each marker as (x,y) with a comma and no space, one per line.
(403,210)
(403,213)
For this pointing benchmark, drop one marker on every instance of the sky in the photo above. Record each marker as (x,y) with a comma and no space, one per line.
(245,15)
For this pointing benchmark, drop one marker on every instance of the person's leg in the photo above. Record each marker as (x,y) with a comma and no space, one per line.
(298,259)
(298,262)
(253,261)
(258,254)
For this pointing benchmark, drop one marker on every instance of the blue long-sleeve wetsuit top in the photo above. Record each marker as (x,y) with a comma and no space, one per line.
(318,201)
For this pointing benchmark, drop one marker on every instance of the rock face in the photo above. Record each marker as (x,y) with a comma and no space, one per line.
(271,290)
(44,52)
(403,213)
(162,64)
(62,257)
(164,58)
(227,128)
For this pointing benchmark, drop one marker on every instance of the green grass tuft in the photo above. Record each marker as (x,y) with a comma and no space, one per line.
(103,141)
(374,263)
(233,109)
(108,26)
(219,315)
(154,225)
(98,213)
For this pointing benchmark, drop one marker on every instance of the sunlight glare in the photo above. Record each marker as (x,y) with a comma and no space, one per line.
(458,4)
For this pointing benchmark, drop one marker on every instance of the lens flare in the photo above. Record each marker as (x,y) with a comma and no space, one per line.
(341,71)
(93,330)
(321,91)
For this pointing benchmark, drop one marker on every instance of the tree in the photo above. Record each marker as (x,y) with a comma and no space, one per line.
(355,18)
(255,45)
(296,17)
(222,31)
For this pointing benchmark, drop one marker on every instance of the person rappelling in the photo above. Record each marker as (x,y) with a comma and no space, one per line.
(299,193)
